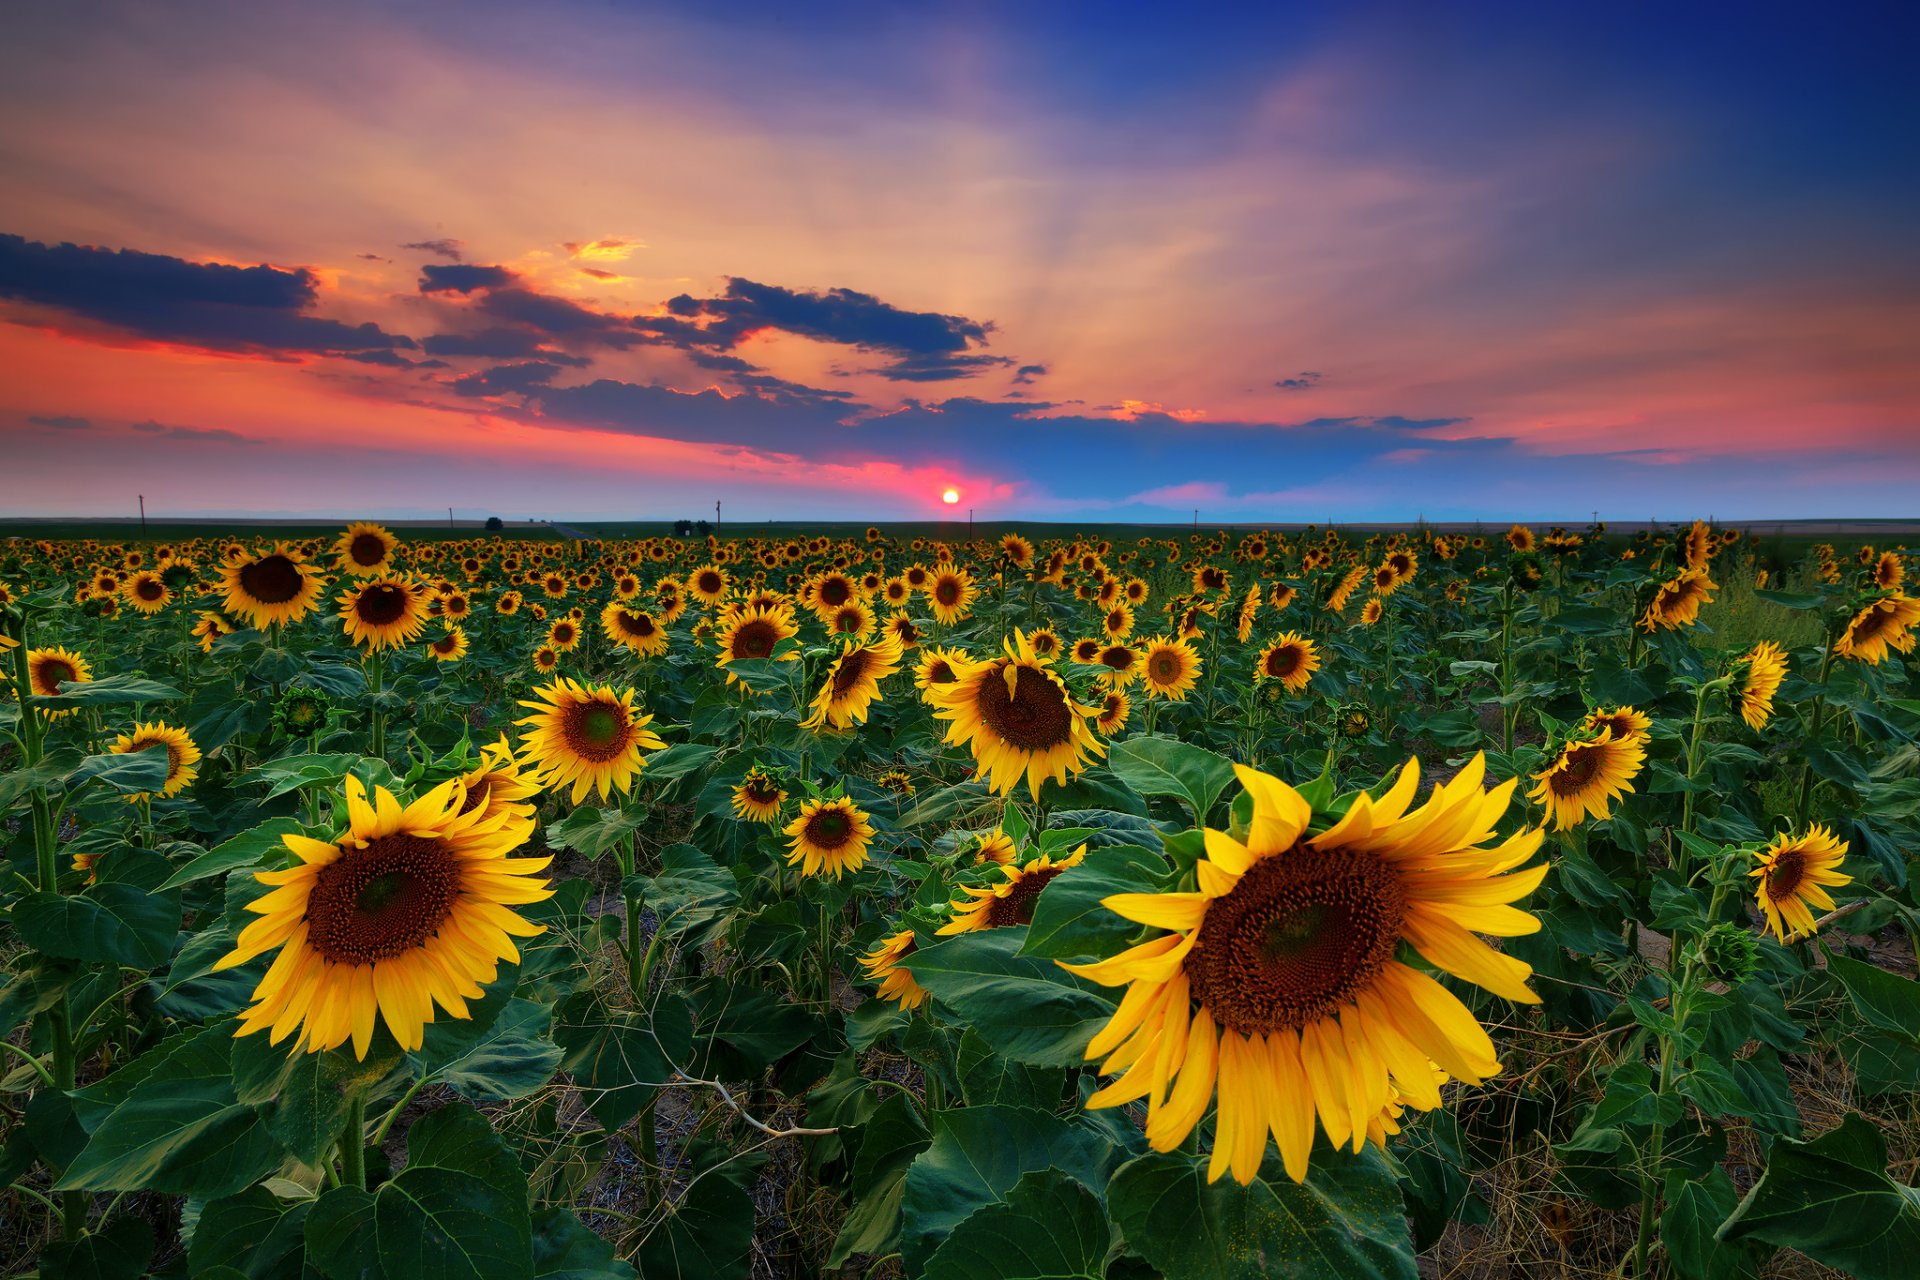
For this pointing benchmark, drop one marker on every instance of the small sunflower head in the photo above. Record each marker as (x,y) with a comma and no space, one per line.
(301,711)
(1730,953)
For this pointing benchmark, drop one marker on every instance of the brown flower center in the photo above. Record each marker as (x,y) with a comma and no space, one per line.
(1299,935)
(830,829)
(381,901)
(755,639)
(1577,768)
(150,589)
(273,579)
(1785,876)
(381,605)
(1035,717)
(596,731)
(1283,661)
(1017,906)
(947,591)
(367,550)
(835,591)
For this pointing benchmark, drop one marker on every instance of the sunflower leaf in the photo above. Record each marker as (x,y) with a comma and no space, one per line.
(1166,767)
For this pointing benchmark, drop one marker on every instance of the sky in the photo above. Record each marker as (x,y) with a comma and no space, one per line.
(1275,263)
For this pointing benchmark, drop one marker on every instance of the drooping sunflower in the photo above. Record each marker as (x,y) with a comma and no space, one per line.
(1281,986)
(634,628)
(1169,667)
(1766,667)
(450,647)
(1677,602)
(268,587)
(830,837)
(385,612)
(882,965)
(408,908)
(1886,624)
(752,635)
(997,847)
(1592,769)
(1019,718)
(1626,722)
(852,683)
(147,592)
(1342,592)
(182,756)
(1010,898)
(951,592)
(1291,659)
(365,550)
(1890,571)
(757,797)
(497,784)
(587,735)
(1794,874)
(48,669)
(209,627)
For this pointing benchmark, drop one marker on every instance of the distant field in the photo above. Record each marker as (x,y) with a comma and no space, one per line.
(166,531)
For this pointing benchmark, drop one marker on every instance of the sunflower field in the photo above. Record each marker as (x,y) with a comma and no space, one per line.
(1294,903)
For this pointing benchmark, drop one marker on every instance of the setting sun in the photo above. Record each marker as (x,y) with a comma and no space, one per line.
(950,497)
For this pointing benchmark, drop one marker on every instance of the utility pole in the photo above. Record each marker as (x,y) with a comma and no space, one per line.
(1196,522)
(969,524)
(449,517)
(143,515)
(716,513)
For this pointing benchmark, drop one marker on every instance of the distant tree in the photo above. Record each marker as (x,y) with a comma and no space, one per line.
(495,524)
(682,528)
(703,527)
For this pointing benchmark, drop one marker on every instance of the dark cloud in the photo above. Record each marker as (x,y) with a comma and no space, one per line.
(940,368)
(787,424)
(1299,382)
(451,250)
(165,430)
(521,377)
(598,274)
(497,344)
(65,422)
(558,318)
(843,316)
(371,257)
(1026,373)
(463,278)
(392,360)
(167,299)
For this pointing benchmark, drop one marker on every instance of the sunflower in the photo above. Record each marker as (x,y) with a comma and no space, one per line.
(709,584)
(564,635)
(1885,624)
(903,629)
(829,837)
(1342,593)
(1677,602)
(757,797)
(182,756)
(1291,659)
(587,735)
(752,635)
(497,784)
(1249,610)
(148,592)
(271,587)
(408,908)
(384,613)
(936,667)
(882,965)
(1115,707)
(827,592)
(1019,718)
(450,647)
(1117,622)
(455,606)
(545,659)
(1372,611)
(853,618)
(1889,572)
(1086,652)
(1010,899)
(852,684)
(1765,667)
(1169,668)
(634,628)
(1696,548)
(1795,874)
(952,593)
(1626,722)
(365,550)
(996,847)
(1045,642)
(48,669)
(1122,663)
(1281,982)
(1592,769)
(1520,538)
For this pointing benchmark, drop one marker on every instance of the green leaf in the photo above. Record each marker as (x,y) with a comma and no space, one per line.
(989,1077)
(677,761)
(459,1138)
(619,1058)
(691,889)
(509,1059)
(179,1129)
(1068,920)
(113,923)
(1345,1220)
(709,1231)
(1027,1008)
(340,1236)
(1884,1000)
(885,1147)
(15,783)
(1167,767)
(107,691)
(978,1156)
(1050,1227)
(439,1224)
(1695,1209)
(127,773)
(1832,1200)
(119,1250)
(255,1233)
(594,831)
(244,850)
(564,1248)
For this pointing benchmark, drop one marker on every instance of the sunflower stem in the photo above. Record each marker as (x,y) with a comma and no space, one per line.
(1506,668)
(353,1140)
(377,681)
(1680,854)
(1802,804)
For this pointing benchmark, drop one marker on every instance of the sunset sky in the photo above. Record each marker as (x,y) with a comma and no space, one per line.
(619,260)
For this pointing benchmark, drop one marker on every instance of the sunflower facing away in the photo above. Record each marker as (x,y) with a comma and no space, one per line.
(1592,770)
(410,907)
(1281,987)
(365,550)
(586,735)
(996,847)
(182,756)
(1010,898)
(1677,602)
(384,613)
(1794,874)
(1766,667)
(852,683)
(209,627)
(1291,659)
(268,587)
(1018,717)
(882,965)
(1884,625)
(757,797)
(1169,667)
(830,837)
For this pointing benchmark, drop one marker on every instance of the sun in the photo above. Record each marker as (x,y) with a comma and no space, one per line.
(950,497)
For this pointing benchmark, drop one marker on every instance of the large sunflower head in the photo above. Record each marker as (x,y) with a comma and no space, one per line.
(1587,775)
(587,735)
(182,755)
(1010,897)
(1019,718)
(1884,625)
(268,587)
(1283,982)
(1169,666)
(410,907)
(1794,874)
(852,683)
(1759,674)
(365,550)
(830,837)
(385,612)
(48,669)
(1291,659)
(757,797)
(883,965)
(1676,602)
